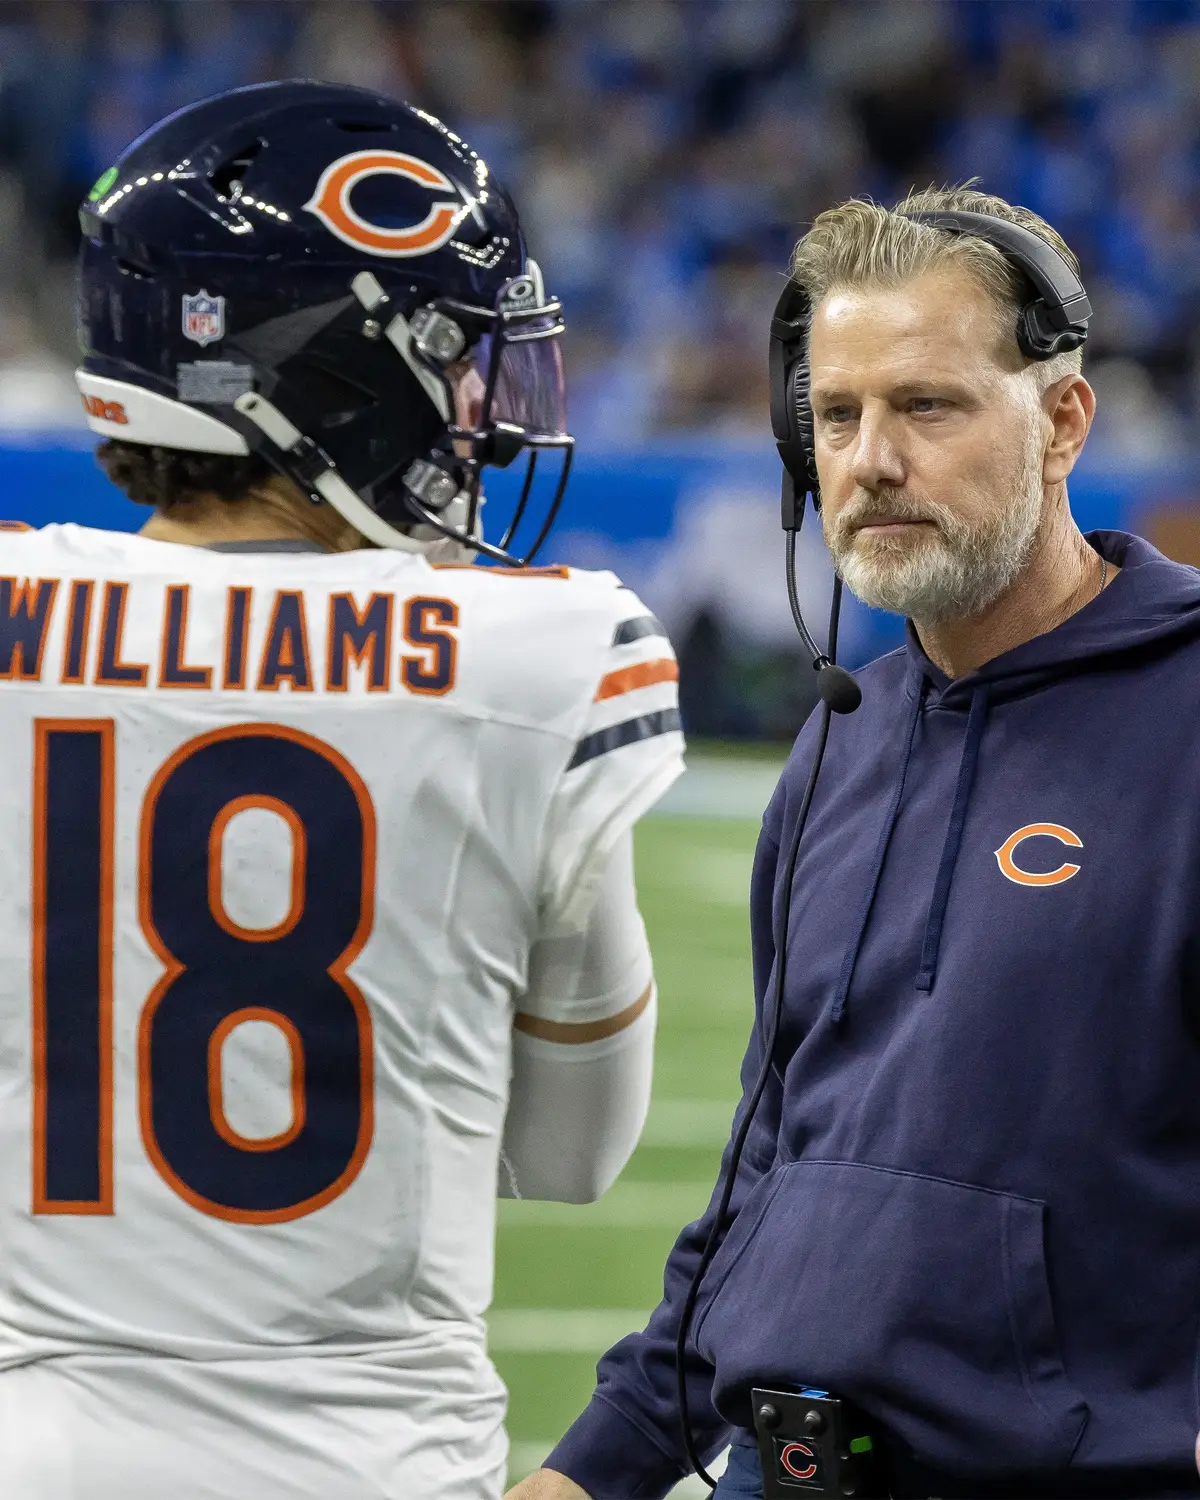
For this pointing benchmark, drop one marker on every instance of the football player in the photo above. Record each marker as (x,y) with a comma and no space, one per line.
(319,910)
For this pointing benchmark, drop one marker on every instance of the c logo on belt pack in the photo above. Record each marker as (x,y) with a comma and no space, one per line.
(797,1460)
(331,204)
(1013,871)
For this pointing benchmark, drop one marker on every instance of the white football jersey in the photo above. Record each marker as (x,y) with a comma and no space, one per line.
(277,834)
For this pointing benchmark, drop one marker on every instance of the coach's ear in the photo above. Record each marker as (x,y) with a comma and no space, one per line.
(1070,403)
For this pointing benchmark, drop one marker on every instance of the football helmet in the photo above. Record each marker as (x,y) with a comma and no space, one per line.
(335,281)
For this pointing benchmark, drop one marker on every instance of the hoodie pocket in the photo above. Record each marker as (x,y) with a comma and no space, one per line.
(926,1301)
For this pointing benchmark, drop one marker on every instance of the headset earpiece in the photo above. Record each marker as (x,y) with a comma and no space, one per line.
(1038,339)
(800,402)
(791,414)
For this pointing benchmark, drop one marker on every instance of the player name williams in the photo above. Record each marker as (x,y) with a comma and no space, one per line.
(108,633)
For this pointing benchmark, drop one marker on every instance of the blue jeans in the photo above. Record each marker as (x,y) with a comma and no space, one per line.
(742,1479)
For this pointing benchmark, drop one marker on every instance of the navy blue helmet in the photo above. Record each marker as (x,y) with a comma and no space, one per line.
(335,281)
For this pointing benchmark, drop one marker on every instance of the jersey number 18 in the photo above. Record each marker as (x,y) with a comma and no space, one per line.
(217,973)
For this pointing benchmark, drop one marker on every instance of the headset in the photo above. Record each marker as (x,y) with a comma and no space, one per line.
(1054,320)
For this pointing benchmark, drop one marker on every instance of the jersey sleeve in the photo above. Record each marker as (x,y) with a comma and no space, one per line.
(604,967)
(628,751)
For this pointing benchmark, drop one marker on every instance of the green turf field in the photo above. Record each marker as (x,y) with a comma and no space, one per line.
(572,1280)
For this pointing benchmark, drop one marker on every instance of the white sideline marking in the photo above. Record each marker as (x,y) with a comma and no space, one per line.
(714,787)
(684,1123)
(524,1457)
(560,1330)
(628,1205)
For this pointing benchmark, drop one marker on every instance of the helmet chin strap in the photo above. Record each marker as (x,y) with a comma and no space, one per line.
(326,482)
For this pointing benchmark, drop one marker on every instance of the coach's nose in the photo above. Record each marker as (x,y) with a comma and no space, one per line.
(878,460)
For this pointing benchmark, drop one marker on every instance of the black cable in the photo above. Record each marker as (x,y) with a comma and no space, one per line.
(802,629)
(739,1140)
(835,617)
(835,685)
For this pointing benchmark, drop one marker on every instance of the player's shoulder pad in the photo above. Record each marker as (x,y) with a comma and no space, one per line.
(636,694)
(592,604)
(542,644)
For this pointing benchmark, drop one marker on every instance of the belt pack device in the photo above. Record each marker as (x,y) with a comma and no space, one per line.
(812,1443)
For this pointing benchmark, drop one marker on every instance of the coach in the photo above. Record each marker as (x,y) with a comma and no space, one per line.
(970,1198)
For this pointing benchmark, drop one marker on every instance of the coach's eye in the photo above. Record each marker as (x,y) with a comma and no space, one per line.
(836,414)
(925,405)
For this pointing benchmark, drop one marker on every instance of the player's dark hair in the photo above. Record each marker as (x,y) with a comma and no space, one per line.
(168,478)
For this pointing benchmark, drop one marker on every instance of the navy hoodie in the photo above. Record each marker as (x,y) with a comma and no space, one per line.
(970,1199)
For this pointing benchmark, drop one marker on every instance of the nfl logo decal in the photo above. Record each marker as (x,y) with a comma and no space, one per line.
(204,318)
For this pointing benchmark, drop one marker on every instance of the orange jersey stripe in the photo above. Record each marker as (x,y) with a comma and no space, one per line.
(644,674)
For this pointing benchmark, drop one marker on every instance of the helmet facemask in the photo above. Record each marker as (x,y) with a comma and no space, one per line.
(496,377)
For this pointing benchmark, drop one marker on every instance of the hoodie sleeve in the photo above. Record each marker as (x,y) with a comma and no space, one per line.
(627,1444)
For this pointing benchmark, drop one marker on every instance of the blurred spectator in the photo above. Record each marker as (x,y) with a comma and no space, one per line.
(668,152)
(1140,427)
(37,388)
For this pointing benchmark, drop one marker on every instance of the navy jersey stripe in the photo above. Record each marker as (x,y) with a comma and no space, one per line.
(637,629)
(626,733)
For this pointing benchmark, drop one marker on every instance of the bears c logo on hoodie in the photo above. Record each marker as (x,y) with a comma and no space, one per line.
(1013,871)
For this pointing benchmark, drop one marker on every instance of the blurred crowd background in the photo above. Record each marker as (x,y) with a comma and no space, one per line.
(665,154)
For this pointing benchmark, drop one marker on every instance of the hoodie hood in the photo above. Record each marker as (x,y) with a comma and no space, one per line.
(1150,601)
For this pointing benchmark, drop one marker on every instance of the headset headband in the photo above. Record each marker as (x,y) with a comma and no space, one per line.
(1066,302)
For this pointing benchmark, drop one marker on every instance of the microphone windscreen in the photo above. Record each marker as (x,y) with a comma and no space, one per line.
(838,689)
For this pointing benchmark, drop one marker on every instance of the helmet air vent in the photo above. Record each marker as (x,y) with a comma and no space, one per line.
(129,268)
(363,127)
(226,179)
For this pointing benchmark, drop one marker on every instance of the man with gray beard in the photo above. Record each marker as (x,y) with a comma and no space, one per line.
(937,501)
(968,1201)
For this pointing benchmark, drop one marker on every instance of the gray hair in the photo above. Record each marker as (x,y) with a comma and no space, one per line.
(860,243)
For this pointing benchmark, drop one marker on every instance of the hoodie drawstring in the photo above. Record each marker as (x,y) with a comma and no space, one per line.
(930,948)
(885,838)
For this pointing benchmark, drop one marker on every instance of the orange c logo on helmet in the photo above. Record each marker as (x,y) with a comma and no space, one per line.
(1012,871)
(331,204)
